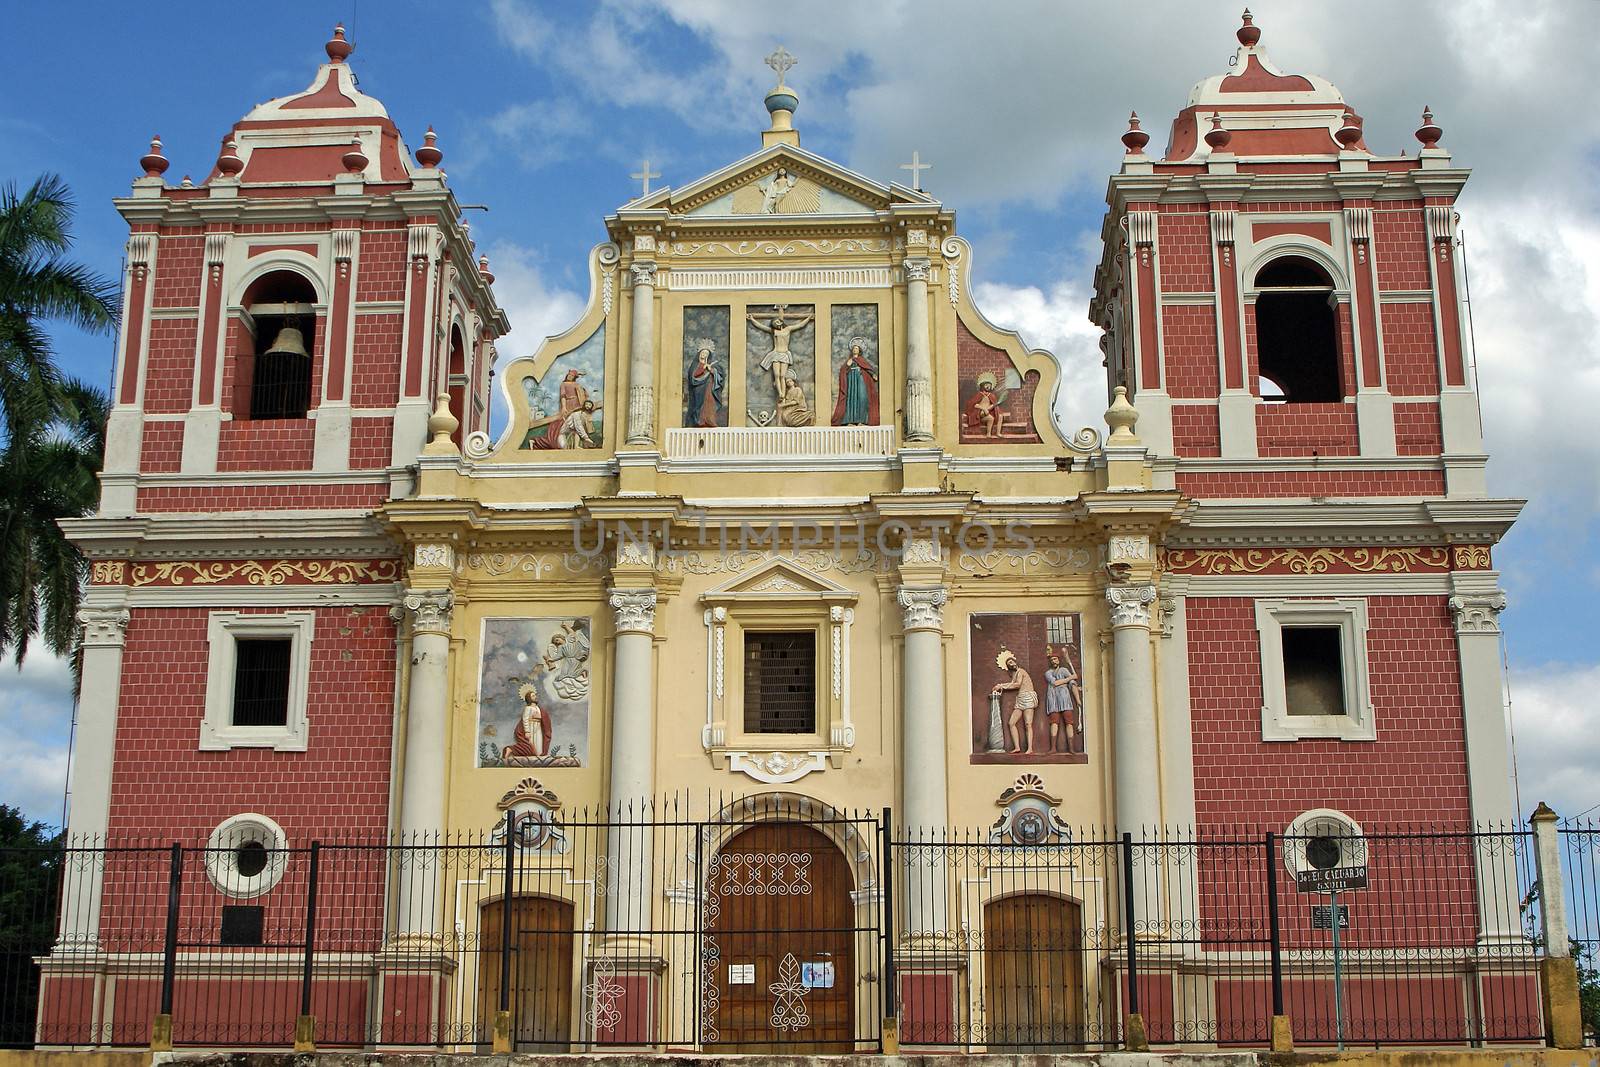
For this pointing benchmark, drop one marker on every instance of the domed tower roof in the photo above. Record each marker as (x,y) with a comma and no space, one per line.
(304,138)
(1260,111)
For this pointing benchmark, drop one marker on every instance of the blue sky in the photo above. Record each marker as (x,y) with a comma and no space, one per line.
(543,109)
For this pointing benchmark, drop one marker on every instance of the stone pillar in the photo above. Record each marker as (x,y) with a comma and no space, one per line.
(1136,780)
(422,783)
(632,756)
(1558,971)
(1477,618)
(919,354)
(641,357)
(925,804)
(104,630)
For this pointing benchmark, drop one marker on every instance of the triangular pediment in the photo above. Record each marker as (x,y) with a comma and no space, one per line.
(780,181)
(779,579)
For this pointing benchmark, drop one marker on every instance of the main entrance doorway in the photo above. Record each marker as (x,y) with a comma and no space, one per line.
(541,972)
(1033,971)
(779,948)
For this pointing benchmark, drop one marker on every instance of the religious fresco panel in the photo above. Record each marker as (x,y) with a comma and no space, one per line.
(780,364)
(996,401)
(854,364)
(564,406)
(534,692)
(1026,674)
(706,333)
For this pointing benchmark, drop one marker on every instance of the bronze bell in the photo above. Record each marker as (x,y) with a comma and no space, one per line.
(290,342)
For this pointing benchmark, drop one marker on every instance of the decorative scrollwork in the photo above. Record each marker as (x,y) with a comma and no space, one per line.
(266,572)
(789,997)
(600,1012)
(1357,559)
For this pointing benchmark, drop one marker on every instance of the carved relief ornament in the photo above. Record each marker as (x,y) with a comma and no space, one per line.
(103,626)
(1130,604)
(430,610)
(1358,560)
(635,610)
(923,609)
(1478,614)
(266,572)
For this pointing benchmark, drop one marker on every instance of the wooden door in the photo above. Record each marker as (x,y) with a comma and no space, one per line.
(541,972)
(1033,971)
(780,939)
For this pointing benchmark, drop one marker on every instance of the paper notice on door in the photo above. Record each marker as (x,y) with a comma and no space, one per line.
(741,974)
(817,974)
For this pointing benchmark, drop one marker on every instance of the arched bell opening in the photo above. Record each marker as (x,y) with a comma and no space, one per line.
(1297,333)
(272,379)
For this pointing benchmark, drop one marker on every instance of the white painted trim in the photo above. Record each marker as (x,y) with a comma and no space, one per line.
(1350,616)
(224,628)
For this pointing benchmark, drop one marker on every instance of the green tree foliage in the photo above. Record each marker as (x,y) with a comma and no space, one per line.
(54,427)
(30,872)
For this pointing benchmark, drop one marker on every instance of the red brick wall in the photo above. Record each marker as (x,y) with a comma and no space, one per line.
(1195,430)
(1183,249)
(169,366)
(1411,359)
(376,355)
(338,788)
(1189,341)
(1307,429)
(1233,485)
(382,271)
(1417,430)
(270,445)
(260,497)
(1400,248)
(371,443)
(1415,771)
(161,452)
(177,274)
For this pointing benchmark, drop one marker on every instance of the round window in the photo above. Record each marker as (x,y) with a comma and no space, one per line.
(246,855)
(250,858)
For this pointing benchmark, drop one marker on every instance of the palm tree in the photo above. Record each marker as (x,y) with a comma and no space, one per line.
(54,427)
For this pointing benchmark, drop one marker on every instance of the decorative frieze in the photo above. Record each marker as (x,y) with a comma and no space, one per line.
(820,247)
(108,572)
(1351,560)
(1470,558)
(265,572)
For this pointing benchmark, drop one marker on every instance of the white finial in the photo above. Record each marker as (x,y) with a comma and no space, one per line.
(644,174)
(781,61)
(916,167)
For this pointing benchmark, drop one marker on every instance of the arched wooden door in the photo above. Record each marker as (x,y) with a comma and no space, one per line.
(779,949)
(1033,971)
(541,972)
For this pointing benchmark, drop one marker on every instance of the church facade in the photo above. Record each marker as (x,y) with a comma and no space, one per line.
(782,523)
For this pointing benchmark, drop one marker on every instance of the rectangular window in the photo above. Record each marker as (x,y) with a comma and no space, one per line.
(243,924)
(261,681)
(1313,670)
(780,682)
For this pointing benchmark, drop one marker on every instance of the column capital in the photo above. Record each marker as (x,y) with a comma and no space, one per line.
(103,626)
(644,272)
(916,268)
(1130,604)
(430,610)
(923,607)
(635,610)
(1478,613)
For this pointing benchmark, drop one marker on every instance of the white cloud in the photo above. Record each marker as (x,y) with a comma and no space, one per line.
(537,309)
(1558,748)
(35,718)
(1056,320)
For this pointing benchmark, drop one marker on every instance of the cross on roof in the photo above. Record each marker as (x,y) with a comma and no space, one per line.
(916,167)
(781,61)
(644,174)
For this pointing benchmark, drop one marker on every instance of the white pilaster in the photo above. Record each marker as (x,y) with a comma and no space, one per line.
(628,848)
(919,354)
(641,357)
(422,784)
(925,802)
(1136,776)
(94,746)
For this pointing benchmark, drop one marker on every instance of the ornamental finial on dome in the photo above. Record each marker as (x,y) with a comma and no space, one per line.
(1249,33)
(154,163)
(1134,139)
(1216,136)
(483,269)
(781,102)
(1349,134)
(338,48)
(429,155)
(228,162)
(1429,132)
(355,160)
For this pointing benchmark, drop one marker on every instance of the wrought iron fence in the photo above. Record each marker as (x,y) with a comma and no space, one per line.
(777,924)
(1580,839)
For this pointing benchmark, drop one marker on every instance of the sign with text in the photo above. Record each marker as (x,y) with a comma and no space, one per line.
(817,974)
(1331,880)
(1322,917)
(741,974)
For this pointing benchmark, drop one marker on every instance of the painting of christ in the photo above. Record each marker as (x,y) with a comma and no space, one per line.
(1026,674)
(533,693)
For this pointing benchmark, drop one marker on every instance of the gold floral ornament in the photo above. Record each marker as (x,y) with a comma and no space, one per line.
(1306,560)
(266,573)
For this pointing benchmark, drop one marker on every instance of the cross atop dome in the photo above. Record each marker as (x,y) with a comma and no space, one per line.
(781,102)
(782,62)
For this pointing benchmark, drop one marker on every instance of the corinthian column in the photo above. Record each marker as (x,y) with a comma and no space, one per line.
(1136,774)
(641,357)
(925,805)
(919,355)
(94,745)
(628,848)
(422,782)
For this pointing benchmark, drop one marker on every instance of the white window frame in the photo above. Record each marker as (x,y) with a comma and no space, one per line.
(1350,617)
(222,855)
(223,631)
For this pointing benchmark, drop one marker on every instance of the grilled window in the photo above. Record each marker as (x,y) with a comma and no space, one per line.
(1313,670)
(780,682)
(261,681)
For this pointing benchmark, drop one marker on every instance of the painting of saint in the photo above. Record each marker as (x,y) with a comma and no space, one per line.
(569,416)
(854,329)
(1026,688)
(780,349)
(533,693)
(705,366)
(996,399)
